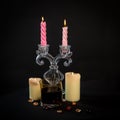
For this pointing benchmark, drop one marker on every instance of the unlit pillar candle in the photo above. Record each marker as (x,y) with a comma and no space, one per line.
(72,86)
(35,88)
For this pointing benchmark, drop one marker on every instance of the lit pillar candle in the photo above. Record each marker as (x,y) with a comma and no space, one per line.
(35,88)
(64,34)
(72,86)
(43,33)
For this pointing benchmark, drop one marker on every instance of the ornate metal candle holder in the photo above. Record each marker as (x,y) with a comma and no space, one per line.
(53,76)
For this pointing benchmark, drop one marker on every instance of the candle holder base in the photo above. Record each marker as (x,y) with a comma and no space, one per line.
(51,95)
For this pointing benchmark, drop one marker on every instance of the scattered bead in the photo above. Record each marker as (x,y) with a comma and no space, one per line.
(30,100)
(74,103)
(78,110)
(59,111)
(68,108)
(35,103)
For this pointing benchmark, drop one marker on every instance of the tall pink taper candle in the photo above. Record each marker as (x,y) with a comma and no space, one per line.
(64,34)
(43,33)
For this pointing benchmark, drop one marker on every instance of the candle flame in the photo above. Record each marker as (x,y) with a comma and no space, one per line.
(42,18)
(64,22)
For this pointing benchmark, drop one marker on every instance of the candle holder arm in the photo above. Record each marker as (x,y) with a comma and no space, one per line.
(42,53)
(39,58)
(65,54)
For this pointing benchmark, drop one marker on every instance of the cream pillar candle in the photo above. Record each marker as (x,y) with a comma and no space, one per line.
(72,86)
(35,88)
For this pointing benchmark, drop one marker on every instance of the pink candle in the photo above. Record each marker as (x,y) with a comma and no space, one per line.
(43,32)
(64,34)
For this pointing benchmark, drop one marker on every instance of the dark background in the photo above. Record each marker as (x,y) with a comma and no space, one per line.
(92,33)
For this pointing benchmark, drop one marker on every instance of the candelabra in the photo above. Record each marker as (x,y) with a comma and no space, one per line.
(52,92)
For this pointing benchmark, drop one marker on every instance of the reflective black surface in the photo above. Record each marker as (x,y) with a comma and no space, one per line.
(16,106)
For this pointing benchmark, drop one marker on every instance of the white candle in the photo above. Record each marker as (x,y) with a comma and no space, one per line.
(72,86)
(35,88)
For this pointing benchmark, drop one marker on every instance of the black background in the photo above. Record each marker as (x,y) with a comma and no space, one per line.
(92,33)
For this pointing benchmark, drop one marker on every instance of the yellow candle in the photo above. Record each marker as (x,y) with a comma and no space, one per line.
(72,86)
(35,88)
